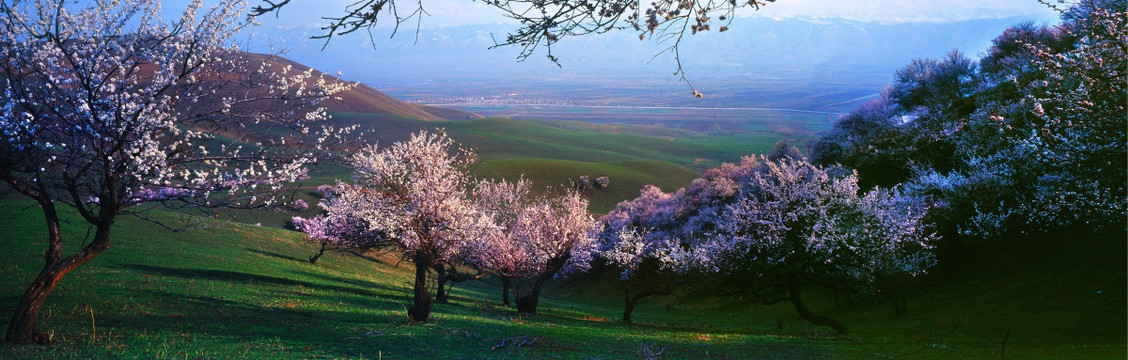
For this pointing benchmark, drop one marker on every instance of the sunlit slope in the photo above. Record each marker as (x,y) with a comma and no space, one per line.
(501,138)
(549,155)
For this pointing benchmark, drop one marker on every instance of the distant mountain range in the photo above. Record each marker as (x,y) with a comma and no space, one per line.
(753,47)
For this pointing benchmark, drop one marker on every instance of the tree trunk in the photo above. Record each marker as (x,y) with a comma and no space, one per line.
(900,301)
(630,303)
(21,330)
(794,289)
(527,302)
(313,259)
(633,299)
(441,279)
(505,291)
(421,307)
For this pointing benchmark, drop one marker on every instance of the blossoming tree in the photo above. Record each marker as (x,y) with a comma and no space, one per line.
(767,227)
(111,110)
(415,193)
(532,238)
(338,231)
(646,237)
(794,224)
(647,269)
(498,250)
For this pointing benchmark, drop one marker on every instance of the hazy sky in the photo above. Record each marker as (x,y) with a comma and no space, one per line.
(905,10)
(462,12)
(443,13)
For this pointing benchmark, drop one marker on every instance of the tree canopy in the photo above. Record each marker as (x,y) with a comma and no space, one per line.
(1034,143)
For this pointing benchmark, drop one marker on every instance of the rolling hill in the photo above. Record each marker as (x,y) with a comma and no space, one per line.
(366,99)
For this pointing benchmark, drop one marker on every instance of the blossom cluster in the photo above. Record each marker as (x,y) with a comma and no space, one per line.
(773,217)
(417,194)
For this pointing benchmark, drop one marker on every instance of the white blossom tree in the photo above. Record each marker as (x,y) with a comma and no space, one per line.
(415,193)
(1064,167)
(1043,153)
(648,268)
(111,110)
(767,227)
(794,224)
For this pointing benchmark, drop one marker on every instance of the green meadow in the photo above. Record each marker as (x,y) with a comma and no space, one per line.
(237,291)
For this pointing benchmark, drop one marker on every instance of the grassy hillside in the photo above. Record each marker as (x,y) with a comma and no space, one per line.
(240,291)
(627,177)
(552,153)
(501,138)
(366,99)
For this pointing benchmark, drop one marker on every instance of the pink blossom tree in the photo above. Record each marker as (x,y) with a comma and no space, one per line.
(648,269)
(645,237)
(557,237)
(111,110)
(498,250)
(415,194)
(338,231)
(533,238)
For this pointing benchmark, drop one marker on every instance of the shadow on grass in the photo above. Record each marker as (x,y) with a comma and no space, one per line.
(366,256)
(207,319)
(353,282)
(362,288)
(275,255)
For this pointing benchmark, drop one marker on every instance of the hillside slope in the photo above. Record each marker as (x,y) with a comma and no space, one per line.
(366,99)
(232,291)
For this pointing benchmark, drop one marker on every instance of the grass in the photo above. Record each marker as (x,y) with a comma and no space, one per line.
(501,139)
(627,177)
(241,291)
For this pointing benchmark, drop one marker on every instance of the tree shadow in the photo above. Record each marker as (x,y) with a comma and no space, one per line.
(361,288)
(275,255)
(237,322)
(350,281)
(366,256)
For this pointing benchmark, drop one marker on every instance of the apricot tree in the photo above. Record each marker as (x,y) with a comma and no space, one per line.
(110,110)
